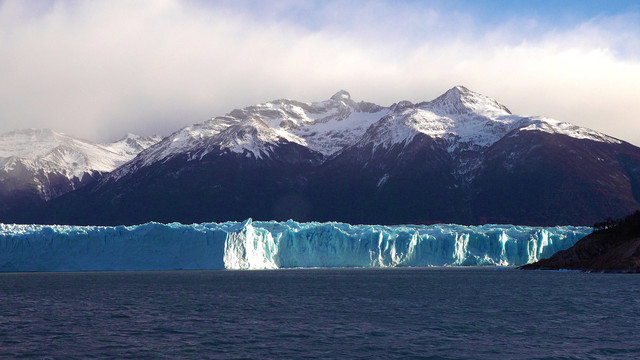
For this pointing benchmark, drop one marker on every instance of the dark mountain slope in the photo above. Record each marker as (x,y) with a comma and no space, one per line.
(219,187)
(532,177)
(410,183)
(614,248)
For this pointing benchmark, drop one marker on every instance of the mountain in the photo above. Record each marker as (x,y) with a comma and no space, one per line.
(462,157)
(37,165)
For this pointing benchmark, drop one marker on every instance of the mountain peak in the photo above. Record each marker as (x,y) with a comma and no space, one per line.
(460,93)
(29,143)
(460,89)
(130,136)
(460,99)
(341,95)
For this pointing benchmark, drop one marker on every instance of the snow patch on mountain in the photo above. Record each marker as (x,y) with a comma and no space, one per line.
(51,151)
(131,144)
(467,121)
(460,100)
(460,116)
(325,127)
(552,126)
(253,136)
(42,153)
(250,135)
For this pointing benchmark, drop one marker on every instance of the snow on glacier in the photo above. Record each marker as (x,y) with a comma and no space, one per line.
(272,245)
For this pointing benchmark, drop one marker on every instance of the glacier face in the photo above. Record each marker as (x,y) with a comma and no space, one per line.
(272,245)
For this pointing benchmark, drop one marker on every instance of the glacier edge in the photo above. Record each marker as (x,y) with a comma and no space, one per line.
(272,245)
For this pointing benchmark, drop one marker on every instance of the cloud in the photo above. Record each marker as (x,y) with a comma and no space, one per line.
(103,68)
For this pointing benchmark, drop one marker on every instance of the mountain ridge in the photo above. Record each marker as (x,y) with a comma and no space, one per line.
(332,125)
(462,157)
(38,165)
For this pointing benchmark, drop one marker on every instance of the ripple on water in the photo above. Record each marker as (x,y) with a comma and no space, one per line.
(340,313)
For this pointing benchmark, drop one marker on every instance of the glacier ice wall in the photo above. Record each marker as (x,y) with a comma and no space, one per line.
(271,245)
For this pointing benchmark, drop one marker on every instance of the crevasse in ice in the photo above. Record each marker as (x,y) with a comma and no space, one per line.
(271,245)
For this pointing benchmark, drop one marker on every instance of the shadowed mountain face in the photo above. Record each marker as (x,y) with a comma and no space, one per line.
(461,158)
(541,178)
(218,187)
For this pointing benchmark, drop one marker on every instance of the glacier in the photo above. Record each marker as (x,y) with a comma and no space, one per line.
(273,245)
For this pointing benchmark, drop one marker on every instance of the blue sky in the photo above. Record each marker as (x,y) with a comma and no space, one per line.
(483,15)
(560,13)
(99,69)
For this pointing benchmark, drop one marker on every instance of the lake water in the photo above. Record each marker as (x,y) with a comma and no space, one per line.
(421,313)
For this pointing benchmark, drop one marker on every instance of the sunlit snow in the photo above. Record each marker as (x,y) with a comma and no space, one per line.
(465,120)
(48,151)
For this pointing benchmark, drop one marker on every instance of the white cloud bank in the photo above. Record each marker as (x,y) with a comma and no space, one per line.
(100,69)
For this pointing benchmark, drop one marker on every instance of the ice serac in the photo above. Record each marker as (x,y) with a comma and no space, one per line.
(272,245)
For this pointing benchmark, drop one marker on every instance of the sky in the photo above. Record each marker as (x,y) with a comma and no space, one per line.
(100,69)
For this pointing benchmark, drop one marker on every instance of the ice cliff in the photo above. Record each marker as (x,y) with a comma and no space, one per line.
(272,245)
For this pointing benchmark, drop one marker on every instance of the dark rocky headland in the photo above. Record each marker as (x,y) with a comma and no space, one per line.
(614,246)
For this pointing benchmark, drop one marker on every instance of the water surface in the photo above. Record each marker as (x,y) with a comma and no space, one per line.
(454,313)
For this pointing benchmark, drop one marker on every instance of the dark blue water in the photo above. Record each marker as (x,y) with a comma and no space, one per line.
(454,313)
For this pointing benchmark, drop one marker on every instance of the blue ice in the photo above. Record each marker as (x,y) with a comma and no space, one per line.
(272,245)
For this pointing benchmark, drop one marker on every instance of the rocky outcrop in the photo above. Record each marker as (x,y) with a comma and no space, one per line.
(610,249)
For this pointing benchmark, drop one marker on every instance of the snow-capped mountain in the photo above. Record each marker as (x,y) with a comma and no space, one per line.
(43,164)
(464,119)
(323,127)
(52,152)
(462,157)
